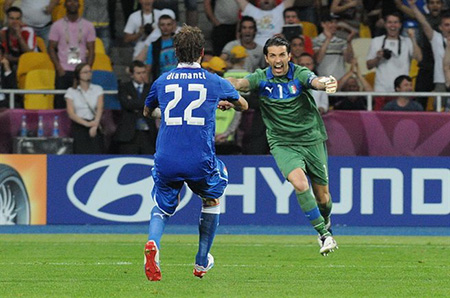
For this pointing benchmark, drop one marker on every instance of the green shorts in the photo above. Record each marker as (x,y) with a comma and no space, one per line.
(313,160)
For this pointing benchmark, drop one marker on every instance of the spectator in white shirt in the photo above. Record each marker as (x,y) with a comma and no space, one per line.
(268,17)
(392,53)
(438,41)
(142,26)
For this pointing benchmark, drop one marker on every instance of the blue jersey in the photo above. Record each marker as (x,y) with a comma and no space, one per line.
(187,96)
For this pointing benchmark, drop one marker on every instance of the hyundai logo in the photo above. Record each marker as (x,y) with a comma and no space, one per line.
(107,189)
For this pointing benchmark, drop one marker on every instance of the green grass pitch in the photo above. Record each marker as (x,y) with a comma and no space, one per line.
(68,265)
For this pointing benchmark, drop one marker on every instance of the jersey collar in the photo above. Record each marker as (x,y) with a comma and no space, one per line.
(188,65)
(289,75)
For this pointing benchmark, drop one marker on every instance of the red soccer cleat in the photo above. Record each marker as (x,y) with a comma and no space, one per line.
(200,271)
(152,270)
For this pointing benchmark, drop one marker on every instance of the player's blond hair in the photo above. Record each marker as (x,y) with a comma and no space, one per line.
(189,43)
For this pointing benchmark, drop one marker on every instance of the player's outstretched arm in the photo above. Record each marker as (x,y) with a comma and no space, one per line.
(239,105)
(329,84)
(240,84)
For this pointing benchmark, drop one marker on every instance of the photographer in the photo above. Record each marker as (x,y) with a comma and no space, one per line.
(391,54)
(142,24)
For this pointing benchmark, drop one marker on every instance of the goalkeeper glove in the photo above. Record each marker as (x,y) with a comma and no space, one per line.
(330,84)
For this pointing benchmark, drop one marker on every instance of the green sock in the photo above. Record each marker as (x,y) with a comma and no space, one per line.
(309,206)
(325,210)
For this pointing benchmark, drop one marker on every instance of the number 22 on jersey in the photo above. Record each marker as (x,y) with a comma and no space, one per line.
(178,91)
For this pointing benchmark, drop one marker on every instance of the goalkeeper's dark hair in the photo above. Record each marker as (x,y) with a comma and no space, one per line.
(277,41)
(189,43)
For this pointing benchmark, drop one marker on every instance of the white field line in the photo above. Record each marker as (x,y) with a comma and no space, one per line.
(221,265)
(365,245)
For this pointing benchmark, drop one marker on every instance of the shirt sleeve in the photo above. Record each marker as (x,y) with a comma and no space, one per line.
(99,90)
(156,33)
(305,76)
(151,100)
(53,35)
(90,32)
(372,50)
(409,43)
(317,43)
(228,91)
(255,78)
(131,27)
(69,94)
(227,48)
(436,38)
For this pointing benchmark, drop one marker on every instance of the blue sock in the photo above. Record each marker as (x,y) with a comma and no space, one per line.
(157,224)
(207,230)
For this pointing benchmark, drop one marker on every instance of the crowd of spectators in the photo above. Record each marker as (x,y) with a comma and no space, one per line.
(400,33)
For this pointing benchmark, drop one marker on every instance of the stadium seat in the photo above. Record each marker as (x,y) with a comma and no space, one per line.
(31,61)
(364,31)
(40,43)
(99,47)
(309,29)
(60,11)
(2,12)
(414,71)
(102,62)
(39,79)
(360,49)
(430,104)
(108,81)
(370,77)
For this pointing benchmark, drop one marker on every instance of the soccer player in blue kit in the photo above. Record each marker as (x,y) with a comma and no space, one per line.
(188,97)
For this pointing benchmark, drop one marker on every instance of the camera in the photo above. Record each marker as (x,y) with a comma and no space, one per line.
(148,28)
(387,54)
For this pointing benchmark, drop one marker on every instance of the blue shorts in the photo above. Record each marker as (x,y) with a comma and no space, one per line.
(166,193)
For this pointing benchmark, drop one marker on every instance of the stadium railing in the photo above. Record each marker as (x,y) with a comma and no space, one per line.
(369,95)
(14,92)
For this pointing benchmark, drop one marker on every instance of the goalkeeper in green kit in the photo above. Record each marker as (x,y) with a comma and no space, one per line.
(295,130)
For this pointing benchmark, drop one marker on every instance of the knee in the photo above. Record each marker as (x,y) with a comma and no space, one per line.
(298,180)
(300,185)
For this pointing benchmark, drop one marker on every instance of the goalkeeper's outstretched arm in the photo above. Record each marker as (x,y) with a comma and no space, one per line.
(242,85)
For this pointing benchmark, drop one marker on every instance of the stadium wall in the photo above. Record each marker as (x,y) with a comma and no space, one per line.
(367,191)
(350,133)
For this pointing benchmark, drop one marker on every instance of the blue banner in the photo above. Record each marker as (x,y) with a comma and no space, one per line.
(366,191)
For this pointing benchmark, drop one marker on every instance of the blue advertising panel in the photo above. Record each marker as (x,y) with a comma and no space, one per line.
(366,191)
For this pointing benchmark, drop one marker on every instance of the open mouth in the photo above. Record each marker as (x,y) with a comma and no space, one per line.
(278,68)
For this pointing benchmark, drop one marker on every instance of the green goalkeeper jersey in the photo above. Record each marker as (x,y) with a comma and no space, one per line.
(288,107)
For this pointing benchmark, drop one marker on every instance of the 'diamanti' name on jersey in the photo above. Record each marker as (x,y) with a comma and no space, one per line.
(186,76)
